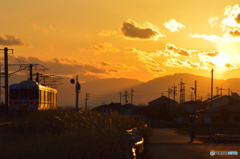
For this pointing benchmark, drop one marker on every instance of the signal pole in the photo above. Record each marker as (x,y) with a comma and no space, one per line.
(77,88)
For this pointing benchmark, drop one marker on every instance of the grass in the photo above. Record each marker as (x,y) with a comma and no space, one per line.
(69,134)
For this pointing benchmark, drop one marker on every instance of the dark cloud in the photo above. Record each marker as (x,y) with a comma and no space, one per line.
(183,52)
(113,70)
(104,47)
(230,66)
(104,63)
(192,65)
(131,29)
(234,33)
(56,67)
(171,47)
(177,51)
(157,70)
(10,40)
(237,19)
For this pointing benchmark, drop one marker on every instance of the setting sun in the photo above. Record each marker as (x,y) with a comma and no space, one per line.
(221,59)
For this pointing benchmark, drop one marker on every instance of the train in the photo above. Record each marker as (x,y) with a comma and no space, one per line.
(30,95)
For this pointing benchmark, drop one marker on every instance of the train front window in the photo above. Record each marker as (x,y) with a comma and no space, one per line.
(14,93)
(23,93)
(33,93)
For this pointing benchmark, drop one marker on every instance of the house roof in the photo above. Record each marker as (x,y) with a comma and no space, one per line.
(231,108)
(162,99)
(115,106)
(219,97)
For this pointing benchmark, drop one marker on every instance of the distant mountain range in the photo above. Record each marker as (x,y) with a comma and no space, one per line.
(104,91)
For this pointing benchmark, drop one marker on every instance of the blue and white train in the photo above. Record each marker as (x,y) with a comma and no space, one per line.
(29,95)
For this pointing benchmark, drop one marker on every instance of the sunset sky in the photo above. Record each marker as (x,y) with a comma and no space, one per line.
(134,39)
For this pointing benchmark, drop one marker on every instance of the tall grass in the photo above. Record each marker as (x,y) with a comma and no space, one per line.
(68,134)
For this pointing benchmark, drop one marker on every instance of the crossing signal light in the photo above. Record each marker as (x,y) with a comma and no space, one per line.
(72,81)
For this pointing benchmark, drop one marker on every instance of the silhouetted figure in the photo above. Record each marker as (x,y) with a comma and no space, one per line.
(192,129)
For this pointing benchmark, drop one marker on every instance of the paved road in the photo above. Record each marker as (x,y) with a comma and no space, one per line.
(167,144)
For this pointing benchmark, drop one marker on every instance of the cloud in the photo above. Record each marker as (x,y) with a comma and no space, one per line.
(212,21)
(213,38)
(107,32)
(156,71)
(234,33)
(182,64)
(230,66)
(211,54)
(146,57)
(11,40)
(233,17)
(237,18)
(173,25)
(104,47)
(132,30)
(173,50)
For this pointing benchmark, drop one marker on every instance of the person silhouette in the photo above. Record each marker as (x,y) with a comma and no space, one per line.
(192,129)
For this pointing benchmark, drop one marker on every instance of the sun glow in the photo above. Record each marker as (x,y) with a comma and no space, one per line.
(221,59)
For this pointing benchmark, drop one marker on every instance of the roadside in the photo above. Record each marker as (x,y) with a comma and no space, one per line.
(166,143)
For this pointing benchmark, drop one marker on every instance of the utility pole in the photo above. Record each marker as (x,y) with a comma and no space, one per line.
(195,91)
(6,78)
(191,96)
(120,98)
(30,74)
(0,83)
(211,107)
(86,99)
(169,91)
(125,95)
(174,92)
(182,95)
(132,95)
(208,95)
(221,90)
(229,91)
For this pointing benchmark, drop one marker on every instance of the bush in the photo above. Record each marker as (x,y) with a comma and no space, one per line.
(69,134)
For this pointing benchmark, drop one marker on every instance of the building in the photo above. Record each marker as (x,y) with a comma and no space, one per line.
(164,101)
(224,109)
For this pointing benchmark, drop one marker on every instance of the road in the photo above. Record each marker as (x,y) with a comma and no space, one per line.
(167,144)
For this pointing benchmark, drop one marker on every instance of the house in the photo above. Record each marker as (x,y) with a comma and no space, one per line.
(220,114)
(189,107)
(219,100)
(163,101)
(224,109)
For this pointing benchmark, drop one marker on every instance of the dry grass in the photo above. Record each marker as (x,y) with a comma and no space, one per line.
(68,134)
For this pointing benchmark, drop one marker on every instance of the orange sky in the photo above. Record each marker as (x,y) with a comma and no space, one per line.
(130,39)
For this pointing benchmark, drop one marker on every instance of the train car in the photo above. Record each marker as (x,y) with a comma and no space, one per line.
(29,95)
